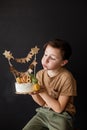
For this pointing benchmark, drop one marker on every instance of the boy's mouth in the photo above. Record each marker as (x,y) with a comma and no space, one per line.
(45,67)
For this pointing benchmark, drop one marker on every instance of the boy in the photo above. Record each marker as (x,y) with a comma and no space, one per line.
(56,99)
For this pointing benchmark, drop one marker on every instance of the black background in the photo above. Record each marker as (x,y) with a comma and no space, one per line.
(26,23)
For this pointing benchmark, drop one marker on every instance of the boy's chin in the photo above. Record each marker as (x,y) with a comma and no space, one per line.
(45,68)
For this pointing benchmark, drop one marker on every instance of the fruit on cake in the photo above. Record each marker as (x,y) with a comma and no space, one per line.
(25,82)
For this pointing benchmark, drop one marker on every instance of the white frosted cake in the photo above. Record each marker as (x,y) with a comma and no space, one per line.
(23,87)
(26,82)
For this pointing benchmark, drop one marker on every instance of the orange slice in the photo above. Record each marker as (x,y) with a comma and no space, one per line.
(36,87)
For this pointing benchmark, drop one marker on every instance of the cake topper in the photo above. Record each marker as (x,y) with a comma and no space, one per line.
(32,66)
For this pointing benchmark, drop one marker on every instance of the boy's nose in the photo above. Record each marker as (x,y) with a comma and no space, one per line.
(47,60)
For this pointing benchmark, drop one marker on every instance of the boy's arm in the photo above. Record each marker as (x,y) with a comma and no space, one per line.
(57,105)
(37,98)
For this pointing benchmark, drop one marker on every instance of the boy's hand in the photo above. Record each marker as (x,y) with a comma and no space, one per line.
(36,92)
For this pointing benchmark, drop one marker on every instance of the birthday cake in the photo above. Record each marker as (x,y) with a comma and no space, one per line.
(25,82)
(23,87)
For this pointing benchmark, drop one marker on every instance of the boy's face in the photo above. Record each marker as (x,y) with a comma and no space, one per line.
(52,58)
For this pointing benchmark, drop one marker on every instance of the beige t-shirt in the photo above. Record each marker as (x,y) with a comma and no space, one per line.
(62,84)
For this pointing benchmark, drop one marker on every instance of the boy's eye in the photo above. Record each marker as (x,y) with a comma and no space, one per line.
(52,58)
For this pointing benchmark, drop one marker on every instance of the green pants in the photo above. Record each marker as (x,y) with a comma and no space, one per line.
(46,119)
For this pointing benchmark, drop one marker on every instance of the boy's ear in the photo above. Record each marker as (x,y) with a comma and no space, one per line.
(64,62)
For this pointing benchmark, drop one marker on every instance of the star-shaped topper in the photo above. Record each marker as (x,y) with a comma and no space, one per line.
(34,50)
(8,55)
(28,58)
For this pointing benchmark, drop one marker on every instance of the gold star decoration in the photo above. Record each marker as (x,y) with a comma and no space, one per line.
(8,55)
(34,62)
(28,58)
(34,50)
(20,60)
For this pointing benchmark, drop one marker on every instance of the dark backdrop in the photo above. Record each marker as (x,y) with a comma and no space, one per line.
(26,23)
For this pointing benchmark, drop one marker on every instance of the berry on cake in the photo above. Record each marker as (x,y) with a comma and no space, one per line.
(25,82)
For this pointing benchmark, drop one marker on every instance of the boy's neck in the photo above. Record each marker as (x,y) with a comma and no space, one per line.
(52,73)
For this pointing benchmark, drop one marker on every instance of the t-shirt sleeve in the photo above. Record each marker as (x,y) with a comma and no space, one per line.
(69,86)
(39,77)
